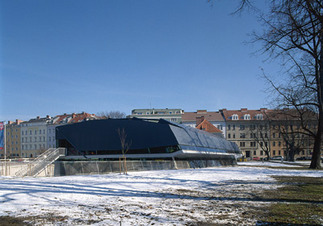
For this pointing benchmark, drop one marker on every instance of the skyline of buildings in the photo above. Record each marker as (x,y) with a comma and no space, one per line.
(244,127)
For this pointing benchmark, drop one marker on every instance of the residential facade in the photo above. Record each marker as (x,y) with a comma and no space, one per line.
(249,130)
(171,115)
(259,132)
(28,139)
(33,137)
(13,138)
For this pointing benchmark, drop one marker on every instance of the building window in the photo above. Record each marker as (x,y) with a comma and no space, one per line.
(242,135)
(274,143)
(246,117)
(279,143)
(254,152)
(274,152)
(235,117)
(242,144)
(259,117)
(261,152)
(233,127)
(274,135)
(234,135)
(242,127)
(229,127)
(253,144)
(229,135)
(40,131)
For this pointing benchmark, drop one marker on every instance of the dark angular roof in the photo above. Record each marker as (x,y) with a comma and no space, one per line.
(141,134)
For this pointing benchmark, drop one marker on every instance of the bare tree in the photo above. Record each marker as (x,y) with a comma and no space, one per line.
(259,133)
(125,145)
(293,33)
(111,114)
(294,131)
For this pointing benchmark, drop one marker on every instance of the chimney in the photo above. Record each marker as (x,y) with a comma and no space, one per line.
(73,115)
(263,109)
(244,109)
(38,117)
(199,120)
(201,111)
(10,122)
(18,121)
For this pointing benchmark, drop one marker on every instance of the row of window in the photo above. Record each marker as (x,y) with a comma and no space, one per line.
(247,117)
(251,127)
(40,139)
(253,144)
(33,147)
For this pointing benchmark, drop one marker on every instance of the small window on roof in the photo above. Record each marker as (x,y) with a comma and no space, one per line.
(147,113)
(246,117)
(259,117)
(235,117)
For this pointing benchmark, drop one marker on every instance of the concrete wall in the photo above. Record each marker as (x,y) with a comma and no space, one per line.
(11,168)
(66,168)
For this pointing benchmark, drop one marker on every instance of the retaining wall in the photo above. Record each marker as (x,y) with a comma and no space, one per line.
(65,168)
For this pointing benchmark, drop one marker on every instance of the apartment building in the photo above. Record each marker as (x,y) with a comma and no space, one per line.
(288,133)
(249,130)
(13,139)
(171,115)
(33,136)
(30,138)
(263,132)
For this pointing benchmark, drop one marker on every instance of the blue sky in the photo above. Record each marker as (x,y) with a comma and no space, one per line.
(67,56)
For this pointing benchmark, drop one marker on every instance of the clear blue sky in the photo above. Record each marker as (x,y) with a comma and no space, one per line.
(64,56)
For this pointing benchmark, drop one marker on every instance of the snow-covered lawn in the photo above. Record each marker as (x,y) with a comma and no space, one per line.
(170,197)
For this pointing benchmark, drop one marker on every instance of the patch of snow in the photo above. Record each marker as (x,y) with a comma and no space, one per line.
(169,197)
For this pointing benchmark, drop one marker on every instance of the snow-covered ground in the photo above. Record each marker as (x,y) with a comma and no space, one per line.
(171,197)
(275,163)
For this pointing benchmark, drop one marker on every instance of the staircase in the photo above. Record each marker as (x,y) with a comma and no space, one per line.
(41,162)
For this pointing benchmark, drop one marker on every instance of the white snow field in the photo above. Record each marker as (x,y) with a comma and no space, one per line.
(172,197)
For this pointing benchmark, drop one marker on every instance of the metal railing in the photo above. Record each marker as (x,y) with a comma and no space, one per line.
(41,162)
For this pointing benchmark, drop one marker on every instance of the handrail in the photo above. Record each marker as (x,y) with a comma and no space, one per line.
(41,162)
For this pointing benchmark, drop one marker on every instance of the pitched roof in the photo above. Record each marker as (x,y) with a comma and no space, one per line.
(208,127)
(243,113)
(73,118)
(210,116)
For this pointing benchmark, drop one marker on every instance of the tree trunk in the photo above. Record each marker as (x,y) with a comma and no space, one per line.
(316,157)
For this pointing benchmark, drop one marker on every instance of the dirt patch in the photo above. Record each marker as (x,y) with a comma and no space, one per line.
(12,221)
